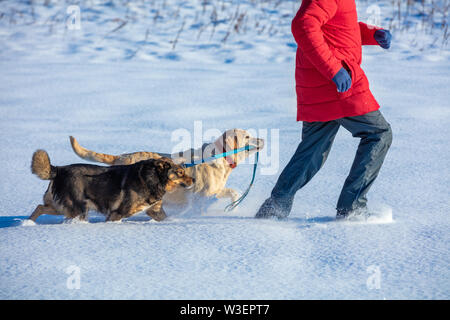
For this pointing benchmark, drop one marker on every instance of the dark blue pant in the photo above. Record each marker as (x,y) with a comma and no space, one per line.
(317,138)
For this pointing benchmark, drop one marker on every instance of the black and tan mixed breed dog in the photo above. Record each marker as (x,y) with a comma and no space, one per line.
(116,191)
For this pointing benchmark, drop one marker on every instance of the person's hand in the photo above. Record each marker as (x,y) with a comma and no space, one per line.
(383,37)
(342,80)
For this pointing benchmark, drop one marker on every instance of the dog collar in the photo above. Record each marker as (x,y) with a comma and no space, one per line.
(232,163)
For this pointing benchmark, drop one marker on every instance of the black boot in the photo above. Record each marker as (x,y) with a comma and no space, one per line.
(342,215)
(273,208)
(356,214)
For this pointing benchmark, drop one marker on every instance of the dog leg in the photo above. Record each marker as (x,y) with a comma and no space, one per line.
(114,216)
(228,193)
(75,209)
(43,209)
(156,212)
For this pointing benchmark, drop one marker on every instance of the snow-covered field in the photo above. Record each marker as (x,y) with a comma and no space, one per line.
(90,83)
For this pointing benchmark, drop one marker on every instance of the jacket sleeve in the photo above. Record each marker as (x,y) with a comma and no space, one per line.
(367,34)
(306,28)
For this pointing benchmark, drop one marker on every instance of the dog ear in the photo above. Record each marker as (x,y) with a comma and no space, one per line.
(162,165)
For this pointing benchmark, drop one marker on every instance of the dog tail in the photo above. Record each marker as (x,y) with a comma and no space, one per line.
(40,166)
(91,155)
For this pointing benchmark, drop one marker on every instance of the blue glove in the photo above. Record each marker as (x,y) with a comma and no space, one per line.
(383,37)
(342,80)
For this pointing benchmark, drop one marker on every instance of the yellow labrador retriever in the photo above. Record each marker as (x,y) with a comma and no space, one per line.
(210,178)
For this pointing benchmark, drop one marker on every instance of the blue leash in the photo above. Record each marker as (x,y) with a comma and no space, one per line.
(235,203)
(218,156)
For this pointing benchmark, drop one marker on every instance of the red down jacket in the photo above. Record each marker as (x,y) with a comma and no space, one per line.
(329,37)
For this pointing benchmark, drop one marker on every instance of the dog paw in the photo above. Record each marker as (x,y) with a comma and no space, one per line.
(75,220)
(28,223)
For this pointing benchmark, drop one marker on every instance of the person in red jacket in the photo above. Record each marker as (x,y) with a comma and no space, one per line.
(333,91)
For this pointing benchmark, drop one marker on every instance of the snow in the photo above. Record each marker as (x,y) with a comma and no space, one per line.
(115,104)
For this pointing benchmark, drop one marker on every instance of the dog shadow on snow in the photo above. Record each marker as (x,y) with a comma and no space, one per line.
(210,212)
(17,221)
(187,218)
